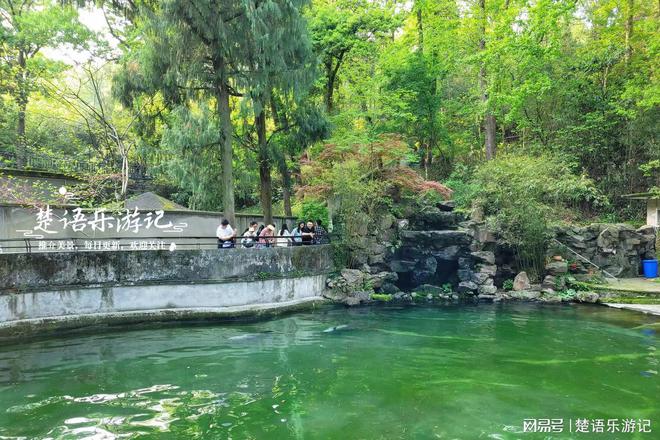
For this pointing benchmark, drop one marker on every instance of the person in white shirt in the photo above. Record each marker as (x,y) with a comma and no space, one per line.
(284,239)
(225,235)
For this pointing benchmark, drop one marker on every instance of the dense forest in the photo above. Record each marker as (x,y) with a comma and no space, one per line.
(294,106)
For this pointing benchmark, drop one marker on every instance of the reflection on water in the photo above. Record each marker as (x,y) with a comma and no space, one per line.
(452,372)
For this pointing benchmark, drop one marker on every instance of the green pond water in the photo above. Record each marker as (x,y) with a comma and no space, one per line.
(455,372)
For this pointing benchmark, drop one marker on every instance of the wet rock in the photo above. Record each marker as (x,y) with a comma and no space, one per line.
(430,288)
(588,297)
(550,296)
(521,281)
(524,294)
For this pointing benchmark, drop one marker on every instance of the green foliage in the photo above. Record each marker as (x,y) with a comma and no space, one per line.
(464,186)
(520,195)
(383,297)
(507,285)
(313,210)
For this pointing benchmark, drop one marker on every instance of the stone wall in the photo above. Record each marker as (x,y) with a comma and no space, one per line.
(616,248)
(75,289)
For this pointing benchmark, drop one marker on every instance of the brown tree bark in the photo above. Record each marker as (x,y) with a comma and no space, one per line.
(265,180)
(21,102)
(226,152)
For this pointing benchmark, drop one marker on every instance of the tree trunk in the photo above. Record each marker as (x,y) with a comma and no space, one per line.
(491,129)
(629,29)
(329,87)
(331,72)
(265,181)
(286,188)
(226,152)
(490,125)
(21,101)
(281,122)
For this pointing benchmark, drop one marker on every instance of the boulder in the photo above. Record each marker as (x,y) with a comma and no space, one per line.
(524,294)
(550,297)
(464,274)
(389,288)
(435,239)
(448,253)
(480,278)
(353,277)
(489,269)
(487,290)
(588,297)
(557,268)
(430,288)
(465,263)
(377,280)
(467,287)
(553,282)
(483,257)
(429,264)
(521,282)
(402,265)
(435,219)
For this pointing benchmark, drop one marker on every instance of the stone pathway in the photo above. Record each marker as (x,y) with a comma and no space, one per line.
(642,285)
(653,309)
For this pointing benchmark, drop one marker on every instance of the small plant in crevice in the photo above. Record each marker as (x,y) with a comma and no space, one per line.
(507,285)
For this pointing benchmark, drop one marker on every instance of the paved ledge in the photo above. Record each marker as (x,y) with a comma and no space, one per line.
(652,309)
(92,322)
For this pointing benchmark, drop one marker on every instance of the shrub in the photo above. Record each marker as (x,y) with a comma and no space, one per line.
(521,195)
(313,210)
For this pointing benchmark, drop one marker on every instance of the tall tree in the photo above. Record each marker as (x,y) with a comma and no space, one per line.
(26,28)
(338,26)
(280,59)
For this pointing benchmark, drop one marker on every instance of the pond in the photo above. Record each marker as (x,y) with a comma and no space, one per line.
(455,372)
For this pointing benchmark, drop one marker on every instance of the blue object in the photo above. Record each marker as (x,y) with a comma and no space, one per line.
(650,268)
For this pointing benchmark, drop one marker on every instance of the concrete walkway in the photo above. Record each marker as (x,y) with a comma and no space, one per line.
(638,285)
(653,309)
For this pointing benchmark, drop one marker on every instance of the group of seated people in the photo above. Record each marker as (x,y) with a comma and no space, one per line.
(306,233)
